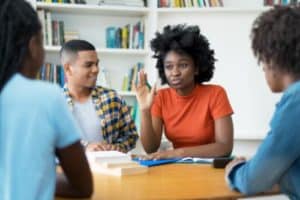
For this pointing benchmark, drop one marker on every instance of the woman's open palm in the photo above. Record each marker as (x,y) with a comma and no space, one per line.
(144,94)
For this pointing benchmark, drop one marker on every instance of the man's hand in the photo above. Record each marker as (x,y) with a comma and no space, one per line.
(102,146)
(233,163)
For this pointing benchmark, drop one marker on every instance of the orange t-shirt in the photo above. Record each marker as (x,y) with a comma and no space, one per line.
(189,120)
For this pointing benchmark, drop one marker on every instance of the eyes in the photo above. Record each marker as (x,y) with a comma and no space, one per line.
(91,64)
(170,66)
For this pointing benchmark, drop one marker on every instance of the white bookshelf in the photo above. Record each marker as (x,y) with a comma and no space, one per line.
(90,21)
(126,93)
(227,28)
(93,9)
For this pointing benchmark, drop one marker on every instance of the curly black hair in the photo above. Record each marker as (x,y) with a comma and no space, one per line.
(18,24)
(187,40)
(276,38)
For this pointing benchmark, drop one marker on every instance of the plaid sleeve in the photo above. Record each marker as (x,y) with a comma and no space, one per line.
(127,129)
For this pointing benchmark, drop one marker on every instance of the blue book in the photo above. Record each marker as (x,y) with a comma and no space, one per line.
(110,37)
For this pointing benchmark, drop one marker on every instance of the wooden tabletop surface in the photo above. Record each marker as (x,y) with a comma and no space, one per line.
(172,181)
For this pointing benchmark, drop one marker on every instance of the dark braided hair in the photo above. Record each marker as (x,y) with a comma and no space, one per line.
(18,24)
(184,40)
(276,38)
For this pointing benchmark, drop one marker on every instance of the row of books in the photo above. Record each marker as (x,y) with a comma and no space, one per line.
(127,37)
(280,2)
(54,30)
(52,73)
(189,3)
(64,1)
(135,3)
(131,77)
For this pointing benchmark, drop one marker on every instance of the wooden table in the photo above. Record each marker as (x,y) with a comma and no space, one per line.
(172,181)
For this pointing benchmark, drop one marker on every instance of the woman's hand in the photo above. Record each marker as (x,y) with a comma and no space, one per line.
(176,153)
(144,93)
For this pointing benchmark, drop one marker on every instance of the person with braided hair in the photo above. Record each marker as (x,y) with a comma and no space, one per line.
(35,123)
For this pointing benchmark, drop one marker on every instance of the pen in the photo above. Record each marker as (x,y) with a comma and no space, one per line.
(148,85)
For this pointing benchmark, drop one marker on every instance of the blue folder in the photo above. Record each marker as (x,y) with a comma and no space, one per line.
(150,163)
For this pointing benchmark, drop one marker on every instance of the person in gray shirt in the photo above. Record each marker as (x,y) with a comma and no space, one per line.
(101,113)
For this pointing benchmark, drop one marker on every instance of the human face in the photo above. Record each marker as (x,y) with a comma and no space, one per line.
(180,72)
(84,69)
(273,78)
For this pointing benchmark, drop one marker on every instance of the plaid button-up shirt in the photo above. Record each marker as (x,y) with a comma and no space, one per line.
(117,125)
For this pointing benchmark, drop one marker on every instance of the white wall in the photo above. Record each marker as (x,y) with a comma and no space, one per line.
(236,69)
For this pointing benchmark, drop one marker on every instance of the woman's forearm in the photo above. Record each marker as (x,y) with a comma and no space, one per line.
(150,140)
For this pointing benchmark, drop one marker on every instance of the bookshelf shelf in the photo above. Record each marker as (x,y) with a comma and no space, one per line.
(55,49)
(126,93)
(210,10)
(52,48)
(94,9)
(123,51)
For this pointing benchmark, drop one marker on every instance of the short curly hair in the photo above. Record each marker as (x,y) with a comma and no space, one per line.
(276,38)
(187,40)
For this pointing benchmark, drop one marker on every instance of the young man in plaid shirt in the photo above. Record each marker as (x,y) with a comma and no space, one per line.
(101,113)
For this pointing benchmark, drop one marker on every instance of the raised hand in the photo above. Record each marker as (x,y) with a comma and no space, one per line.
(144,94)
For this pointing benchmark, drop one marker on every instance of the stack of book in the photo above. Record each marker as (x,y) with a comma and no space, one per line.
(114,163)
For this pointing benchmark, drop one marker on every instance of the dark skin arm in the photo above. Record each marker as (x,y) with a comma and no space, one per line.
(221,147)
(77,178)
(152,127)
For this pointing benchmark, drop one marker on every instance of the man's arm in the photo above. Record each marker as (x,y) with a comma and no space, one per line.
(275,155)
(77,179)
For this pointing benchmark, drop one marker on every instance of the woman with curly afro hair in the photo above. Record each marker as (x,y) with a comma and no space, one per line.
(195,117)
(276,44)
